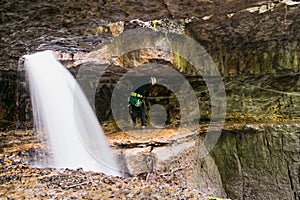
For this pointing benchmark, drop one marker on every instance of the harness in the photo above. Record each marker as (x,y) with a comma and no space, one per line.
(134,94)
(136,99)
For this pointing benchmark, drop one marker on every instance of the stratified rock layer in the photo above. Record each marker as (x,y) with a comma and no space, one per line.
(243,38)
(260,161)
(255,44)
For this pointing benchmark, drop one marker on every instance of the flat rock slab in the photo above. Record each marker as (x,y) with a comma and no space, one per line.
(149,137)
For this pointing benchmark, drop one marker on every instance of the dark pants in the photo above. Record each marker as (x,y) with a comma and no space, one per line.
(138,112)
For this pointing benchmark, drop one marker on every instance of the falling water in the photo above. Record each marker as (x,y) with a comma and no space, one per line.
(62,112)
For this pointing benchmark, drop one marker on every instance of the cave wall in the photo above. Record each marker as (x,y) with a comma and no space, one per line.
(257,53)
(243,38)
(248,42)
(8,99)
(259,161)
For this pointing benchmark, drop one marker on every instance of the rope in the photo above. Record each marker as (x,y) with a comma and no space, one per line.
(255,86)
(277,91)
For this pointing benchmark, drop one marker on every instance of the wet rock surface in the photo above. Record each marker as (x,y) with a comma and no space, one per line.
(231,28)
(256,47)
(162,165)
(263,157)
(20,180)
(244,38)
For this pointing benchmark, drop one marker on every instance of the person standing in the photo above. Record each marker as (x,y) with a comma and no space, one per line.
(137,104)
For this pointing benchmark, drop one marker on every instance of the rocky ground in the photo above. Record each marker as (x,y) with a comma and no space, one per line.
(18,180)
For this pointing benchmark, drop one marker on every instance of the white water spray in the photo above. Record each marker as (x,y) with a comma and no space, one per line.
(61,110)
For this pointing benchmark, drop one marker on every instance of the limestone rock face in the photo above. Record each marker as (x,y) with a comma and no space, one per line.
(255,45)
(171,153)
(243,38)
(247,42)
(259,161)
(8,99)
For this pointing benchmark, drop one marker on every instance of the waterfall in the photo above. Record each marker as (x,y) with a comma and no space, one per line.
(64,117)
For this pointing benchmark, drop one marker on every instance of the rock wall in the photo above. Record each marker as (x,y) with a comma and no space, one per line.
(243,38)
(8,99)
(169,153)
(260,161)
(254,43)
(263,98)
(251,43)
